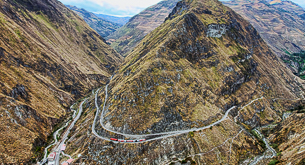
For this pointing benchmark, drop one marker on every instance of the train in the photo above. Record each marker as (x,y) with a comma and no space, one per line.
(121,140)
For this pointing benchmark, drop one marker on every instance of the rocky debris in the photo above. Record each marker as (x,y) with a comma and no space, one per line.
(286,115)
(253,122)
(19,90)
(216,30)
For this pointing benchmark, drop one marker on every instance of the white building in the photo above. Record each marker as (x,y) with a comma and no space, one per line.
(51,158)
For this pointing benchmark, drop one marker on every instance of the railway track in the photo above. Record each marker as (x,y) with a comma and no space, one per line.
(155,136)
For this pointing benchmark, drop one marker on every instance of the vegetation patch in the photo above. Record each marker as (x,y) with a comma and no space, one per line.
(2,21)
(41,17)
(191,134)
(273,162)
(296,58)
(260,140)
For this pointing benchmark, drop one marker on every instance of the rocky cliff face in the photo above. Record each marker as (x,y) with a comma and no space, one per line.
(281,24)
(203,60)
(48,58)
(131,34)
(102,26)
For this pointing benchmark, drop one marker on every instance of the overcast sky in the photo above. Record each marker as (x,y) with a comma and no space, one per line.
(122,7)
(112,7)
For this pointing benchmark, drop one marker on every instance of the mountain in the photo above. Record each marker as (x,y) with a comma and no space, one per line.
(204,64)
(288,6)
(102,26)
(49,57)
(281,24)
(131,34)
(119,20)
(199,61)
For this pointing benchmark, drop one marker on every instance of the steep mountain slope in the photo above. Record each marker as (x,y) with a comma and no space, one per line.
(129,36)
(194,66)
(48,58)
(102,26)
(281,25)
(119,20)
(288,138)
(200,63)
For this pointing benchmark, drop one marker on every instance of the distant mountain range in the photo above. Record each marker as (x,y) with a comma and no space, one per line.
(129,36)
(119,20)
(102,26)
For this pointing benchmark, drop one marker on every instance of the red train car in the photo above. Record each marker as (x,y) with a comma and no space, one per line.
(113,139)
(121,140)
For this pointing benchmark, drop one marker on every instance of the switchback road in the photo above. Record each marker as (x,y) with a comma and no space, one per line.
(162,134)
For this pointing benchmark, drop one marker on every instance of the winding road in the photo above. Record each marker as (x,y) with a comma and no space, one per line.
(161,135)
(74,111)
(264,156)
(95,118)
(165,134)
(174,133)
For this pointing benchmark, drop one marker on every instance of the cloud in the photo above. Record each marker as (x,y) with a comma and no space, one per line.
(300,2)
(112,7)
